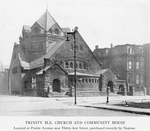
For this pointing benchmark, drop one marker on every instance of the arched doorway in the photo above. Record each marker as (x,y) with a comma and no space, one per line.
(110,84)
(56,85)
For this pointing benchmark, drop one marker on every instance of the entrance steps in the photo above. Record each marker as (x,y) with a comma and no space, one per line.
(58,94)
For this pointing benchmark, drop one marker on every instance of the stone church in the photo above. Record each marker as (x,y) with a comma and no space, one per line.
(42,64)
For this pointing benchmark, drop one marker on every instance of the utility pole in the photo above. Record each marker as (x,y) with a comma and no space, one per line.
(75,51)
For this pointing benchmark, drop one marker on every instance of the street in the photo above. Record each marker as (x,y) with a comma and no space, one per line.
(38,106)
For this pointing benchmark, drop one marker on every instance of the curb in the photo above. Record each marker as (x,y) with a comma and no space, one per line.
(122,110)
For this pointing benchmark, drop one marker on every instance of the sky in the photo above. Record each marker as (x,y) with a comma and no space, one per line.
(100,22)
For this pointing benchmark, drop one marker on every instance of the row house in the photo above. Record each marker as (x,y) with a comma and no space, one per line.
(126,60)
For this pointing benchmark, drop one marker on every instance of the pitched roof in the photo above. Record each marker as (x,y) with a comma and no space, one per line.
(101,71)
(105,70)
(46,21)
(48,67)
(54,47)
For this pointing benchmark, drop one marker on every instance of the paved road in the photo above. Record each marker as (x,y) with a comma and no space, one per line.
(36,106)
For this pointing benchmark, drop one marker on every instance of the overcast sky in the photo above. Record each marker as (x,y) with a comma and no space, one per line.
(100,22)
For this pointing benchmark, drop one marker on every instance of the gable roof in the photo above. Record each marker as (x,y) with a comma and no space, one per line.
(89,49)
(100,72)
(46,21)
(49,67)
(103,71)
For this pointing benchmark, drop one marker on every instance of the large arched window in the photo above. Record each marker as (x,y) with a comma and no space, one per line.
(66,65)
(80,66)
(57,31)
(71,65)
(86,80)
(82,80)
(89,80)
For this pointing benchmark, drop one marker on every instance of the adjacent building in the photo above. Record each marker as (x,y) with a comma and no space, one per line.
(43,63)
(147,66)
(126,60)
(3,79)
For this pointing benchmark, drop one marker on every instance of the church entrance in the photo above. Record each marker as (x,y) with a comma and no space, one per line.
(110,85)
(56,85)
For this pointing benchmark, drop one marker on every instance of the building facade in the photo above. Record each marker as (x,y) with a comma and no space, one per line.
(43,62)
(126,60)
(147,66)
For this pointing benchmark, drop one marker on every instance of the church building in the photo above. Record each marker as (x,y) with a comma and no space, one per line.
(42,64)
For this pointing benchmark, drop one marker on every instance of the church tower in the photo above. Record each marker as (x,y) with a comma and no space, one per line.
(37,39)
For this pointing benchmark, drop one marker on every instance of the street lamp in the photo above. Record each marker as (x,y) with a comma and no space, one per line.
(75,50)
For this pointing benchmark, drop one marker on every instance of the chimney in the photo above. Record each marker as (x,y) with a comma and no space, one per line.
(96,47)
(111,45)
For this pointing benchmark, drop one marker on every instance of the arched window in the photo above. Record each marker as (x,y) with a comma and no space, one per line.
(57,31)
(86,80)
(82,80)
(66,65)
(84,66)
(80,65)
(92,80)
(95,80)
(89,80)
(71,65)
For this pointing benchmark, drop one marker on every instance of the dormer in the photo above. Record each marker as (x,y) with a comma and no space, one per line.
(36,29)
(130,50)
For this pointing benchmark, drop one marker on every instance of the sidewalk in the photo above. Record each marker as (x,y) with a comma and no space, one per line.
(113,101)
